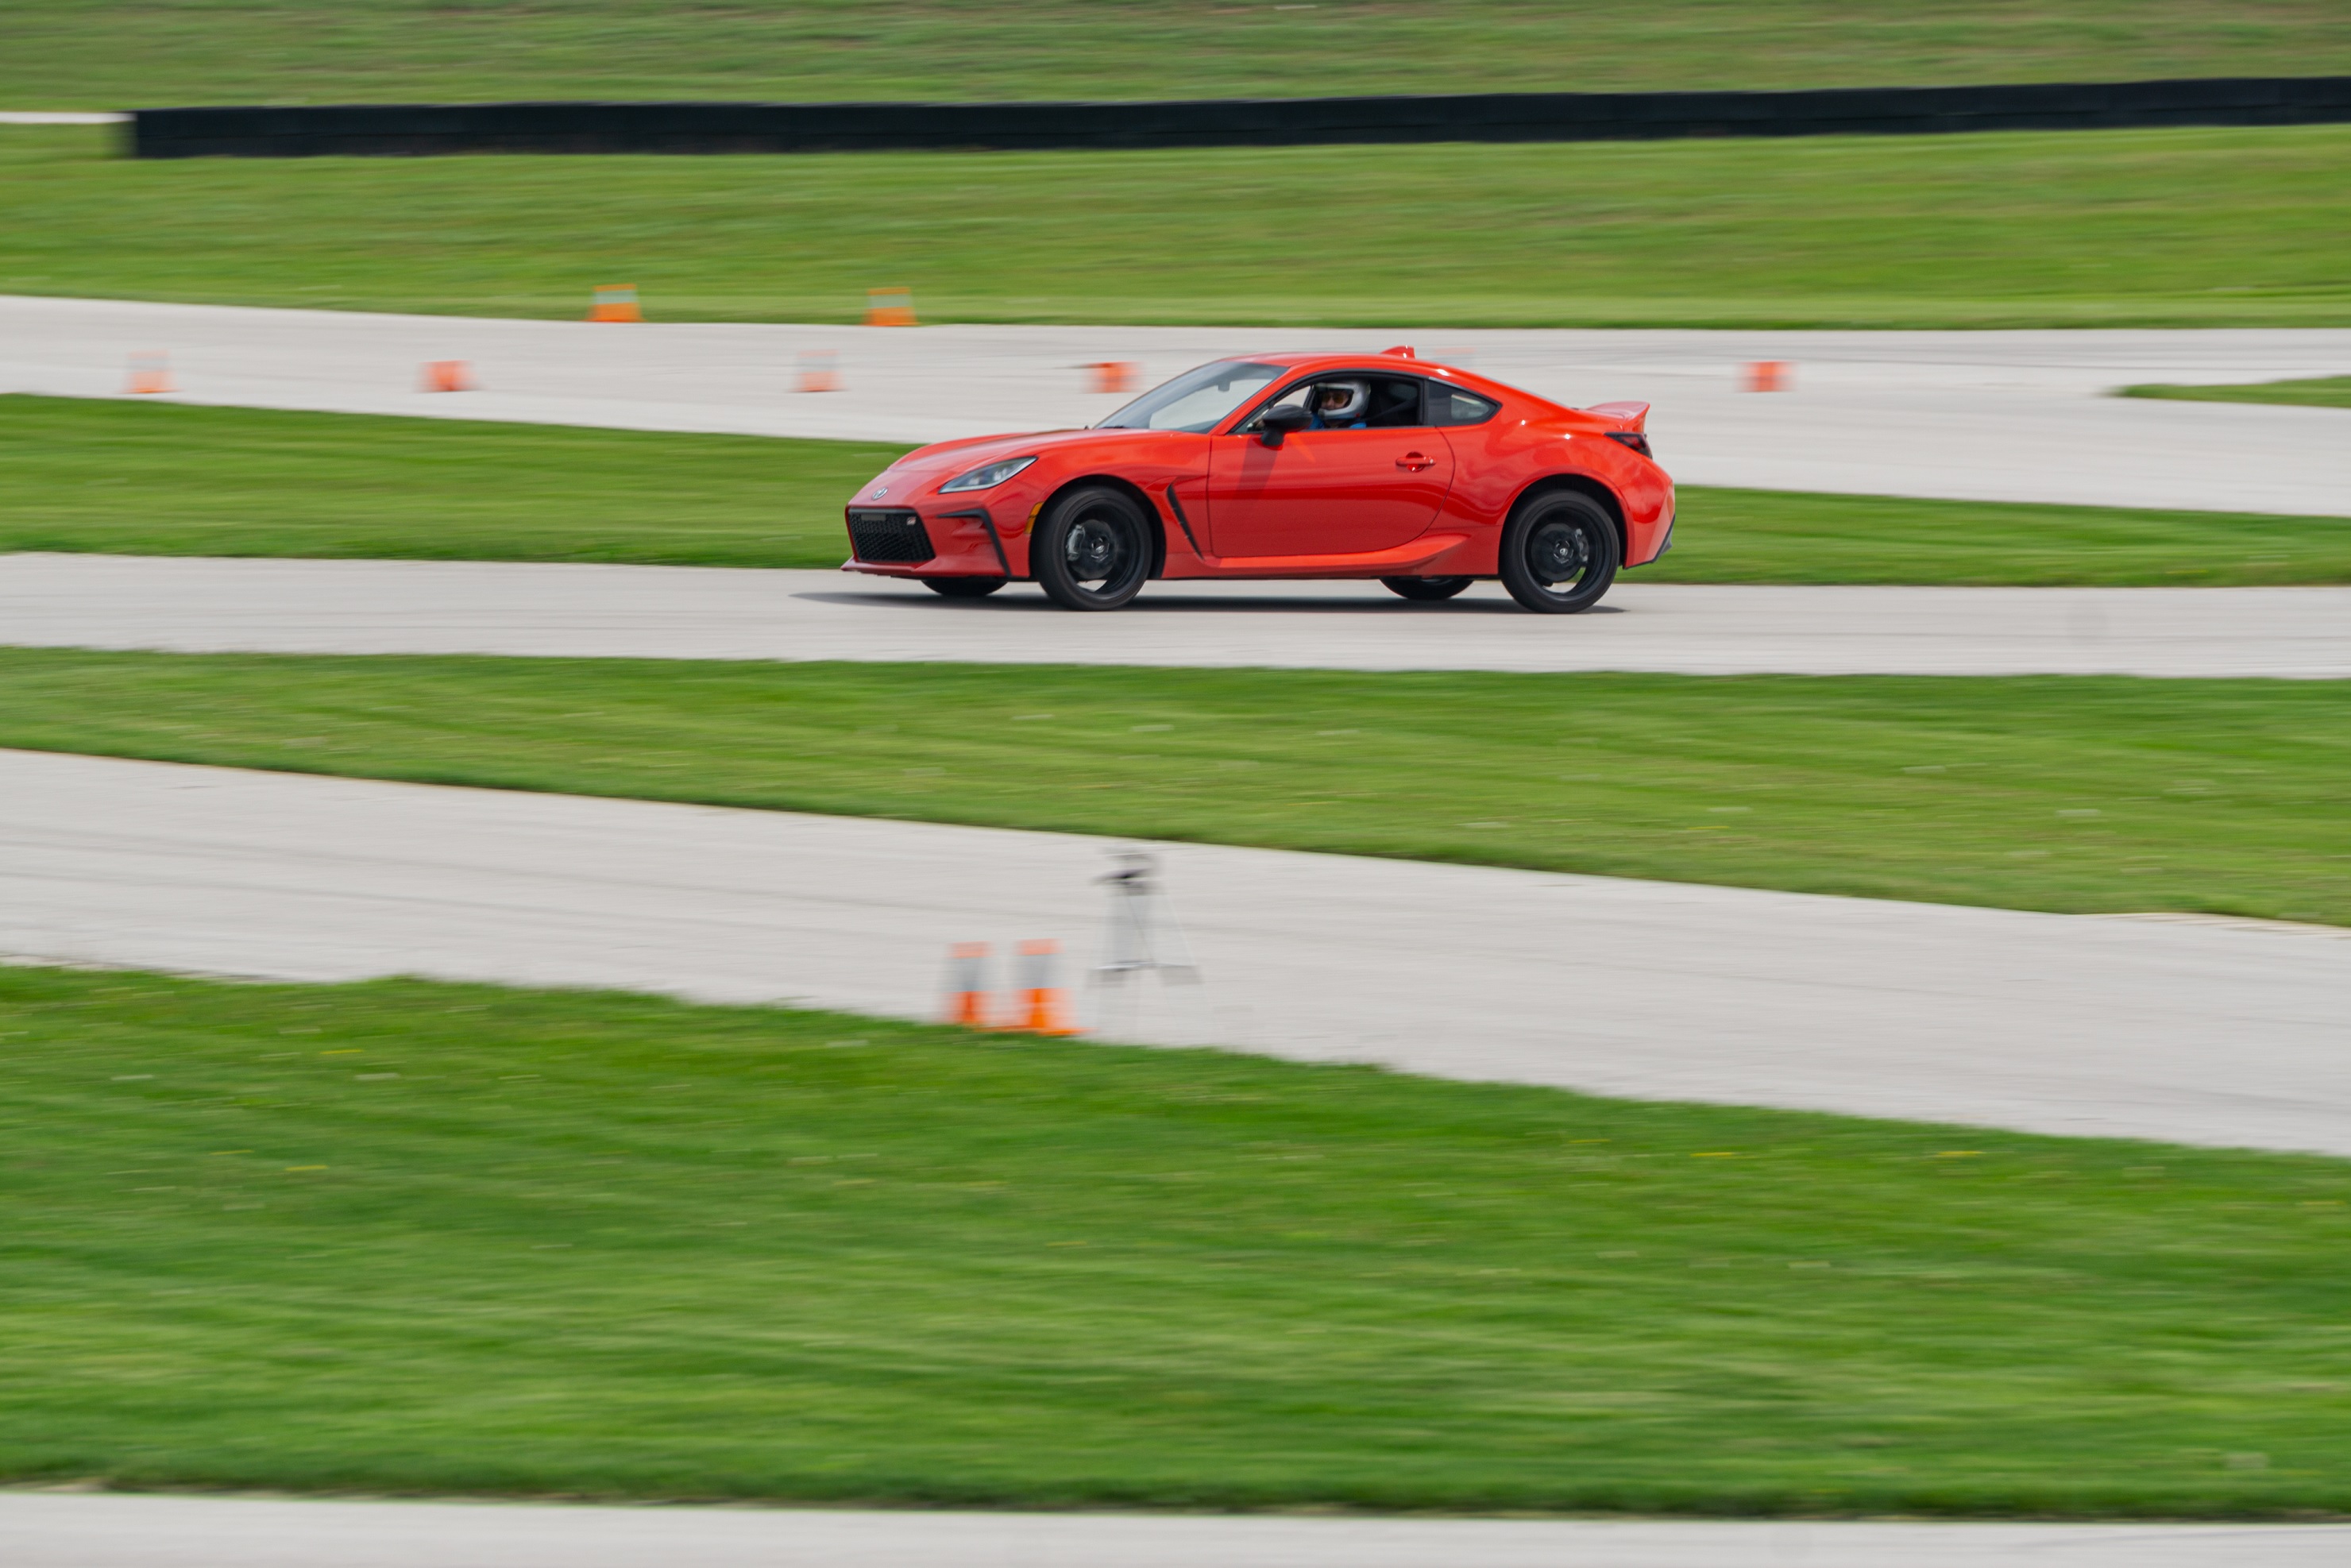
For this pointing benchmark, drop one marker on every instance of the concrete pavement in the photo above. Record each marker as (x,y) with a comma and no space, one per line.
(39,1530)
(2199,1031)
(1987,415)
(520,607)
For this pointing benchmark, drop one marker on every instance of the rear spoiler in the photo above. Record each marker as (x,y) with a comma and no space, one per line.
(1624,415)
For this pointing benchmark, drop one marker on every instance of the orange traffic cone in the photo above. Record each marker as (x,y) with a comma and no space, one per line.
(1114,376)
(1044,1007)
(890,307)
(151,372)
(448,375)
(1768,375)
(615,302)
(967,998)
(817,371)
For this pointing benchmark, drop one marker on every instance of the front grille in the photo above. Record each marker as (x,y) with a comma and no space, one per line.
(889,537)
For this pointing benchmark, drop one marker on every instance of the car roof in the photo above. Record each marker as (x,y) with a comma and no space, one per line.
(1305,359)
(1323,359)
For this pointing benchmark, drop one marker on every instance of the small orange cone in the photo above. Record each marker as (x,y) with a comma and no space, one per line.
(448,375)
(967,999)
(1044,1007)
(890,307)
(817,371)
(151,372)
(1114,376)
(1768,375)
(615,302)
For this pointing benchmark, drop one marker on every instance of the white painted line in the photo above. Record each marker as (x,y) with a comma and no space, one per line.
(59,117)
(199,605)
(2049,1023)
(151,1532)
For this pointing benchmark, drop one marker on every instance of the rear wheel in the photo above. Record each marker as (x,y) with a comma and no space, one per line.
(963,587)
(1093,549)
(1559,553)
(1426,589)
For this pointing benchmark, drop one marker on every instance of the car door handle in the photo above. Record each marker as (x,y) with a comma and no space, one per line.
(1412,462)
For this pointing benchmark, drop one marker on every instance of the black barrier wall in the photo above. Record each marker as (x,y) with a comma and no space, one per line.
(421,129)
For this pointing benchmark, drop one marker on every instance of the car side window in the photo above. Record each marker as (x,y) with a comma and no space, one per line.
(1295,397)
(1451,405)
(1351,402)
(1396,402)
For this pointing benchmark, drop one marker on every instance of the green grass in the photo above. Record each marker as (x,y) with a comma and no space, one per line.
(403,1237)
(155,479)
(2320,392)
(168,479)
(2072,794)
(1772,536)
(117,54)
(2186,228)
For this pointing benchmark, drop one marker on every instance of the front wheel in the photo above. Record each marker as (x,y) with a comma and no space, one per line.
(1559,553)
(1093,549)
(1425,589)
(963,587)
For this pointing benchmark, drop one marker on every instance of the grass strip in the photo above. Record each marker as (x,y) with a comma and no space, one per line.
(174,479)
(1783,535)
(404,1237)
(127,478)
(2173,227)
(113,53)
(2318,392)
(2061,793)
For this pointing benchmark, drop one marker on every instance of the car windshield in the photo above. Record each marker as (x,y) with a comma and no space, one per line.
(1197,400)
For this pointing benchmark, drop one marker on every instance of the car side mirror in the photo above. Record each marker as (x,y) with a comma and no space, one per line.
(1277,423)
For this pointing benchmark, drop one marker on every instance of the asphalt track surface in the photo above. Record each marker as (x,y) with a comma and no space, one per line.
(2196,1030)
(1979,415)
(51,1531)
(211,605)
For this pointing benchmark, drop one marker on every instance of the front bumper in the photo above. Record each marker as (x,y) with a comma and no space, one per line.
(889,536)
(900,541)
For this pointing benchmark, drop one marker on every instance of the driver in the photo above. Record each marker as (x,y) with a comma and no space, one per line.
(1339,405)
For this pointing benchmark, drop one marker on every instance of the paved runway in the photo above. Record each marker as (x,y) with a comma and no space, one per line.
(51,1531)
(518,608)
(1987,415)
(2200,1031)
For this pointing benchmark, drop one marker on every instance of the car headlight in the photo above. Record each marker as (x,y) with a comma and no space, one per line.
(989,477)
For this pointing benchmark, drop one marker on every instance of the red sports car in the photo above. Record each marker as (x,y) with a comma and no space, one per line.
(1289,466)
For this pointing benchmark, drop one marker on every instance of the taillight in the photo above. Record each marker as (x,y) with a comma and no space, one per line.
(1632,438)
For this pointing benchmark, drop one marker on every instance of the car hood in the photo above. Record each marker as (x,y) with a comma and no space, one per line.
(927,466)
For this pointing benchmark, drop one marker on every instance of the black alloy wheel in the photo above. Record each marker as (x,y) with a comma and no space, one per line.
(963,587)
(1559,553)
(1426,590)
(1093,549)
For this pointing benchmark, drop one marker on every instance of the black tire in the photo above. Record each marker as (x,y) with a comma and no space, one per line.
(1559,553)
(1093,549)
(1426,590)
(963,587)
